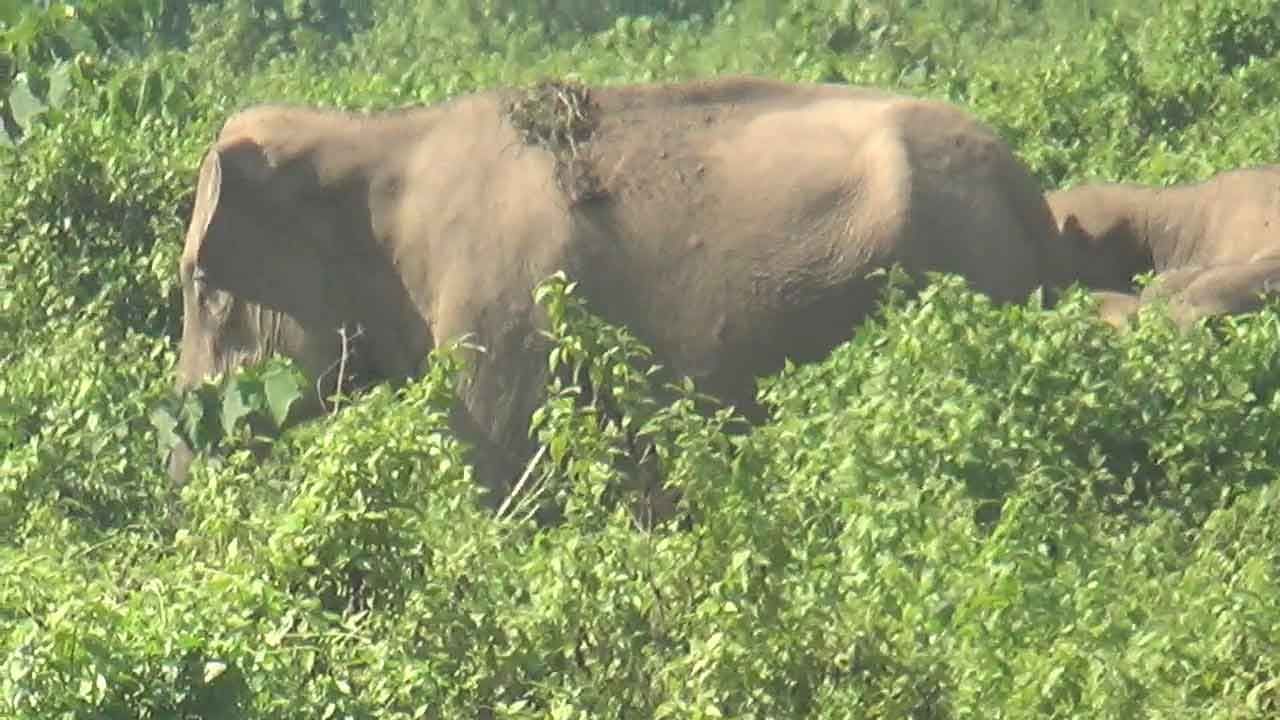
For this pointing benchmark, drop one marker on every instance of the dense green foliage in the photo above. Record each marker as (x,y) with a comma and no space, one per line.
(967,511)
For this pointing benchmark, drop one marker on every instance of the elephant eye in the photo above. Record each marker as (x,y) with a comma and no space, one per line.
(212,300)
(200,282)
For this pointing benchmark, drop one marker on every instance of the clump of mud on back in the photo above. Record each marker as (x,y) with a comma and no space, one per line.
(561,117)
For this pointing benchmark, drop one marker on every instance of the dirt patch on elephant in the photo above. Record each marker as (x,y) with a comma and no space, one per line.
(561,117)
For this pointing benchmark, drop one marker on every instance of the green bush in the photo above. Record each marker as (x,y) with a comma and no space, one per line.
(968,510)
(94,213)
(75,443)
(967,507)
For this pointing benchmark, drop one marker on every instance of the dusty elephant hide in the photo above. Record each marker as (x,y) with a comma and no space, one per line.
(1208,231)
(729,223)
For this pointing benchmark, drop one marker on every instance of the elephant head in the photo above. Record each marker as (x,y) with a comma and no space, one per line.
(262,270)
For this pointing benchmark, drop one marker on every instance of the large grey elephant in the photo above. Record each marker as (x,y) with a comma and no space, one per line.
(729,223)
(1212,244)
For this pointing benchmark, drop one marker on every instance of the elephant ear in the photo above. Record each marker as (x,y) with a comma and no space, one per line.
(246,157)
(1071,231)
(231,169)
(1070,225)
(208,191)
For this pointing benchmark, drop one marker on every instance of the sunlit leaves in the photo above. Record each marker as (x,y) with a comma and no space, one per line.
(967,511)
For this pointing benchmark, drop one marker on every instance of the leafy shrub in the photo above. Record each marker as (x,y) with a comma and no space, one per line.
(930,527)
(1147,416)
(238,35)
(580,16)
(47,52)
(967,511)
(229,411)
(97,214)
(74,439)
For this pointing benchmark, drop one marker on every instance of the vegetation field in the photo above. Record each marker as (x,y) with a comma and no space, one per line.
(968,511)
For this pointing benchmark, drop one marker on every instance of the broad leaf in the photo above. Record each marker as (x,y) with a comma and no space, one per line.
(166,425)
(235,405)
(11,11)
(24,103)
(60,83)
(282,390)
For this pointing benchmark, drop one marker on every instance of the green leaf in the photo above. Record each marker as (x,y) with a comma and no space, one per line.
(24,103)
(60,83)
(282,389)
(234,405)
(149,91)
(166,425)
(192,417)
(78,37)
(11,11)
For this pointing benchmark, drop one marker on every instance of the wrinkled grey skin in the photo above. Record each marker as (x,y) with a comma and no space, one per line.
(1201,239)
(739,220)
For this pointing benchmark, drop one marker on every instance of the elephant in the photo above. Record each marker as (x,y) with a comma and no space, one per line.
(731,224)
(1199,239)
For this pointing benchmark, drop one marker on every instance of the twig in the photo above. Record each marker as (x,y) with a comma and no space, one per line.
(524,478)
(341,364)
